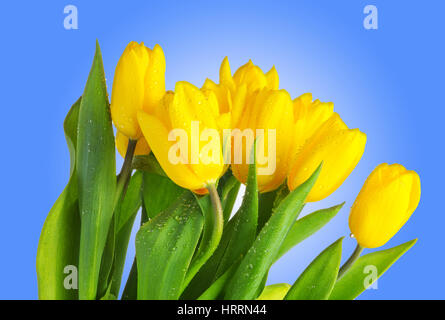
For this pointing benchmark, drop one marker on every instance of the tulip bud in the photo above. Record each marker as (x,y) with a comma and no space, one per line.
(184,134)
(139,84)
(385,203)
(338,147)
(142,147)
(266,112)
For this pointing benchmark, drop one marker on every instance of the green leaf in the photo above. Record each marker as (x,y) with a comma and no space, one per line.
(131,290)
(165,247)
(305,227)
(148,163)
(159,193)
(96,169)
(268,202)
(243,226)
(352,284)
(317,281)
(59,239)
(215,290)
(228,188)
(255,265)
(275,292)
(131,287)
(125,213)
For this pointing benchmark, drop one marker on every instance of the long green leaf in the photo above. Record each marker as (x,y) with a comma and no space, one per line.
(164,249)
(305,227)
(268,202)
(354,282)
(251,273)
(59,239)
(243,225)
(131,287)
(158,194)
(96,176)
(125,212)
(317,281)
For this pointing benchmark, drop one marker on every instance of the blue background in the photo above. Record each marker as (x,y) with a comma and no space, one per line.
(387,82)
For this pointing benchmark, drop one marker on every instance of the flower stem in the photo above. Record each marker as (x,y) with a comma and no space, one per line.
(125,173)
(213,229)
(348,264)
(218,214)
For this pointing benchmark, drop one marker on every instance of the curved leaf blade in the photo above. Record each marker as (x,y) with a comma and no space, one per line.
(96,173)
(305,227)
(317,281)
(165,247)
(351,285)
(125,212)
(255,265)
(59,240)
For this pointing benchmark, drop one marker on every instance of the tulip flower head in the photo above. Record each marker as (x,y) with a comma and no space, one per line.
(184,133)
(139,84)
(267,115)
(385,203)
(332,143)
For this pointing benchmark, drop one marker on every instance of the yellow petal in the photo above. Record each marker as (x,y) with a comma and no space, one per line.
(225,75)
(272,79)
(128,89)
(251,75)
(269,111)
(339,150)
(142,147)
(154,79)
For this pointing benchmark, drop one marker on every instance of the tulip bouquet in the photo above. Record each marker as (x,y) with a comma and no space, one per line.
(186,152)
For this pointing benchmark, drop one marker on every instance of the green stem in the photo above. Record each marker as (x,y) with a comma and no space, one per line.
(211,236)
(218,216)
(348,264)
(124,176)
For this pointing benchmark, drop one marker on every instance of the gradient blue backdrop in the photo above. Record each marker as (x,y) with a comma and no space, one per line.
(387,82)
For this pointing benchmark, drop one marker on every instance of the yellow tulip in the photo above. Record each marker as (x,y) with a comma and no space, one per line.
(268,110)
(338,147)
(171,131)
(142,147)
(387,200)
(139,84)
